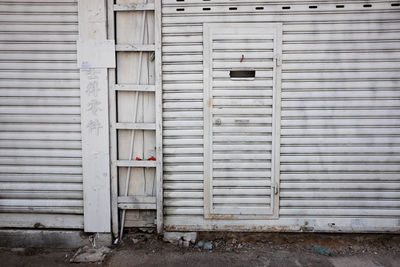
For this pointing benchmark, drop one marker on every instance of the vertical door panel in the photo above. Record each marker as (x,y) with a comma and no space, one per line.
(240,108)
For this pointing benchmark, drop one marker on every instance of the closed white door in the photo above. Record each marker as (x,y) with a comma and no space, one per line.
(241,114)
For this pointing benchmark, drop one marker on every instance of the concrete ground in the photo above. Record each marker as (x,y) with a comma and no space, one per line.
(229,249)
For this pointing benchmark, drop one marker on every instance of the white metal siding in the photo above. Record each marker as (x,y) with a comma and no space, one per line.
(340,136)
(40,140)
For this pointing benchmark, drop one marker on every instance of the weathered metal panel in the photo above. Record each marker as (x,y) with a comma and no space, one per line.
(340,113)
(40,136)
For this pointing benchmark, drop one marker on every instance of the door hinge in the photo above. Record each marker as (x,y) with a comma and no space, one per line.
(276,188)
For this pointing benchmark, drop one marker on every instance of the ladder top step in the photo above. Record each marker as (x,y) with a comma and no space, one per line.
(135,47)
(135,87)
(134,7)
(135,126)
(137,163)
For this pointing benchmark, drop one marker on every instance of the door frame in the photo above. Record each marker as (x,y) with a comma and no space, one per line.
(276,120)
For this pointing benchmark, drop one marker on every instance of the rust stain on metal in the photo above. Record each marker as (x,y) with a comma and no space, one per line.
(223,216)
(210,102)
(235,228)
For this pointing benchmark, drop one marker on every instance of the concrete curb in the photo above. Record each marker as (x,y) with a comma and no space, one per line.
(52,238)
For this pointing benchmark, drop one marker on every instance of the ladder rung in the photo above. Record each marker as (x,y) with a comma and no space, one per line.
(135,47)
(137,199)
(134,7)
(138,206)
(136,163)
(135,87)
(136,126)
(141,223)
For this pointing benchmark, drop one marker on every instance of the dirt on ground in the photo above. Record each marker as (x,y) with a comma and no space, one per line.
(141,248)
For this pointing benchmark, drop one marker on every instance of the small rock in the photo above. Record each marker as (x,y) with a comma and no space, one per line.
(175,237)
(200,244)
(208,245)
(190,236)
(322,250)
(172,237)
(87,255)
(147,230)
(135,241)
(185,243)
(307,247)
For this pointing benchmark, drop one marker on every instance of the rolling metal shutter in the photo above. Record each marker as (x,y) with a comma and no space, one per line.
(40,140)
(340,135)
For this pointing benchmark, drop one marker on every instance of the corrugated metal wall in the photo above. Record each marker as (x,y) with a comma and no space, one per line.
(340,135)
(40,140)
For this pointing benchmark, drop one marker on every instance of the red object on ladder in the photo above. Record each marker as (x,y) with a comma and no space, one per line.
(151,158)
